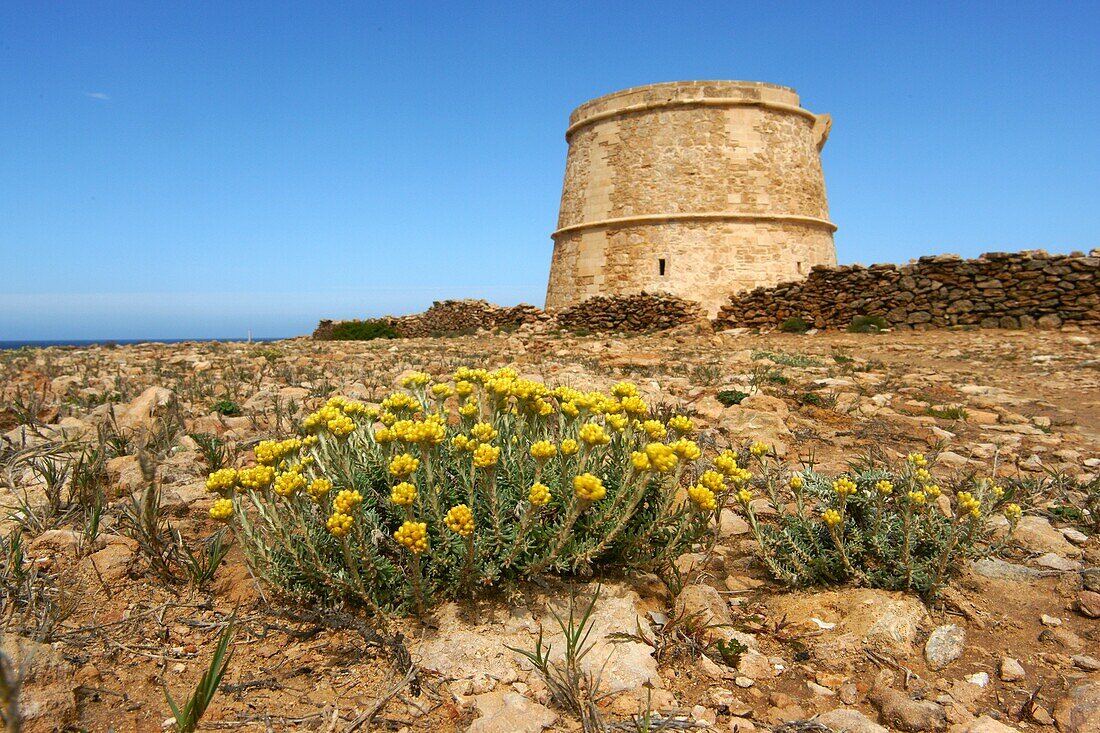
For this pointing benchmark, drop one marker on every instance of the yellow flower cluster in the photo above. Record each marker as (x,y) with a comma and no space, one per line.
(759,449)
(687,450)
(661,458)
(796,482)
(917,459)
(413,535)
(968,505)
(486,456)
(702,497)
(401,402)
(568,447)
(539,494)
(588,487)
(403,494)
(623,390)
(483,432)
(339,524)
(933,491)
(654,430)
(844,487)
(341,426)
(346,501)
(403,465)
(270,452)
(221,509)
(593,434)
(289,483)
(681,424)
(421,432)
(256,478)
(713,480)
(415,379)
(634,406)
(831,517)
(460,520)
(543,450)
(441,391)
(744,496)
(917,497)
(319,488)
(1012,512)
(884,487)
(222,480)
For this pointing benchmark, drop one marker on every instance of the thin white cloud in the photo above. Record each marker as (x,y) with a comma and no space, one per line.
(98,95)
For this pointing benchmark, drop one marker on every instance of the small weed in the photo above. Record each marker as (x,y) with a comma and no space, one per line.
(868,324)
(706,374)
(213,449)
(791,360)
(955,412)
(795,325)
(229,408)
(571,688)
(203,563)
(188,717)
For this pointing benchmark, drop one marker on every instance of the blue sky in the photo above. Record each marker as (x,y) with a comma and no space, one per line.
(202,169)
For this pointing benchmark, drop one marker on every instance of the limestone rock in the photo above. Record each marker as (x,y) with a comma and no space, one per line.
(944,646)
(986,724)
(142,412)
(510,712)
(1079,710)
(767,427)
(847,720)
(1012,670)
(1088,603)
(1036,534)
(901,712)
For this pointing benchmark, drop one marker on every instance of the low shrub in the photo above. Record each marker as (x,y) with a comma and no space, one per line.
(729,397)
(363,331)
(455,486)
(795,325)
(868,324)
(229,408)
(883,526)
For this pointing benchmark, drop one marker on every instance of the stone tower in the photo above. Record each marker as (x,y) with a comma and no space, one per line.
(698,188)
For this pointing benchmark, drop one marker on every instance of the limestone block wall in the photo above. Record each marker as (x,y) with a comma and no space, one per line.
(1006,290)
(699,189)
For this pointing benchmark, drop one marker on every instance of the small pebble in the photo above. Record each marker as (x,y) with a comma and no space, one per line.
(1050,620)
(981,679)
(744,682)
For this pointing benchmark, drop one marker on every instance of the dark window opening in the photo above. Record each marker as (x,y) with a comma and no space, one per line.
(799,268)
(661,266)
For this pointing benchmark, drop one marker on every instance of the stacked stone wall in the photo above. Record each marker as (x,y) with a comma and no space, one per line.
(630,313)
(1006,290)
(446,317)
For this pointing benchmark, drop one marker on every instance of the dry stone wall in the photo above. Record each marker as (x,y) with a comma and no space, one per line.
(451,317)
(1006,290)
(630,313)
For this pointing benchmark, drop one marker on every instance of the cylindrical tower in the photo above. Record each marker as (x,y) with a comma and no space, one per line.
(698,188)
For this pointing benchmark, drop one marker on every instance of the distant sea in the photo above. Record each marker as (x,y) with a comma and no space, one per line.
(121,342)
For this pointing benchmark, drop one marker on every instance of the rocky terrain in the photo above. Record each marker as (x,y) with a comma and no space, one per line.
(97,634)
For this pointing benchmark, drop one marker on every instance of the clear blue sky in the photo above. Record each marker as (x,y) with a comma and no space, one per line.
(203,168)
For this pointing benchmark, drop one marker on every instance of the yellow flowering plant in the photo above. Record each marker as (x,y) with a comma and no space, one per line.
(884,525)
(452,485)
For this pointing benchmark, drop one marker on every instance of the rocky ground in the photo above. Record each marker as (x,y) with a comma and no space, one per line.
(1014,642)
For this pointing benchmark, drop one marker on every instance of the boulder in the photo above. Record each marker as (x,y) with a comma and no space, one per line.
(510,712)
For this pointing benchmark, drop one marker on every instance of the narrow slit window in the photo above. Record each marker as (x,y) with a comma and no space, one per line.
(661,267)
(799,264)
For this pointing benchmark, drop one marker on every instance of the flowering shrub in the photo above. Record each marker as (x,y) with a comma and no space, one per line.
(889,527)
(454,485)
